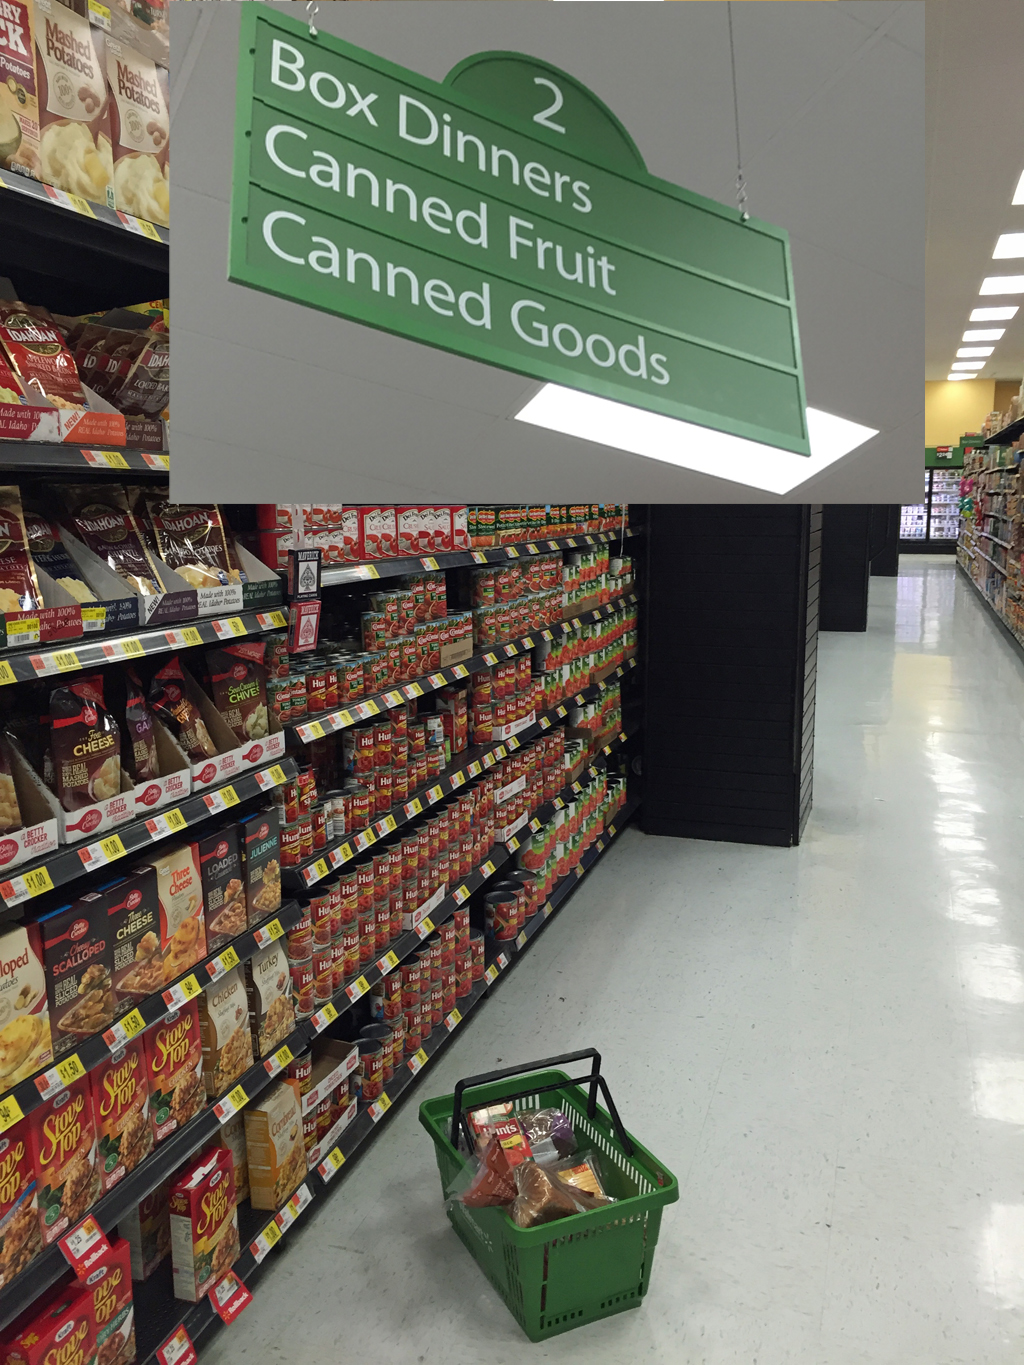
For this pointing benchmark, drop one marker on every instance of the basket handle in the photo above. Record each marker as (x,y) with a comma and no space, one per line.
(594,1081)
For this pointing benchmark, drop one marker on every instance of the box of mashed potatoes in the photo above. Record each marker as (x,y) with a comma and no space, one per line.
(84,111)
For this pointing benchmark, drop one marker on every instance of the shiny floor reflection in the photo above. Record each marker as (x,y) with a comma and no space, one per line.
(826,1044)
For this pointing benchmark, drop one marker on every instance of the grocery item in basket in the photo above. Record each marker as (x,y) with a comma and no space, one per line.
(86,744)
(194,542)
(19,588)
(147,1230)
(74,122)
(582,1175)
(10,811)
(35,348)
(139,132)
(540,1198)
(549,1132)
(25,1045)
(78,958)
(271,1007)
(220,866)
(238,682)
(66,1154)
(120,1097)
(507,1148)
(169,699)
(110,1285)
(273,1141)
(224,1026)
(182,921)
(100,516)
(204,1224)
(60,1328)
(20,1239)
(47,551)
(174,1055)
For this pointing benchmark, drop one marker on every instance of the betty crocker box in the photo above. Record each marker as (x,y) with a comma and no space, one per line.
(204,1224)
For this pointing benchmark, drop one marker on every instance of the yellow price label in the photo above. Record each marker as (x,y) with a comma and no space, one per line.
(38,881)
(70,1069)
(112,846)
(175,819)
(284,1055)
(416,806)
(192,636)
(455,1017)
(389,824)
(427,924)
(372,709)
(415,689)
(238,1097)
(271,1234)
(10,1113)
(391,958)
(189,986)
(512,552)
(321,868)
(132,1023)
(487,867)
(362,985)
(277,617)
(273,928)
(66,660)
(113,459)
(228,959)
(329,1012)
(6,674)
(229,796)
(315,729)
(148,230)
(429,562)
(277,773)
(237,625)
(421,1056)
(384,1103)
(336,1157)
(132,647)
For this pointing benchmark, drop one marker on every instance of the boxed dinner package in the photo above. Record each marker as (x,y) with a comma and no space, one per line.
(182,921)
(65,1149)
(204,1224)
(273,1141)
(120,1101)
(25,1045)
(220,867)
(140,132)
(19,105)
(133,912)
(78,960)
(238,685)
(174,1056)
(232,1136)
(110,1285)
(224,1026)
(268,982)
(20,1238)
(74,122)
(261,860)
(147,1230)
(61,1331)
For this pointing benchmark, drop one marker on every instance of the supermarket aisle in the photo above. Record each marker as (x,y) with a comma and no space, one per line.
(826,1045)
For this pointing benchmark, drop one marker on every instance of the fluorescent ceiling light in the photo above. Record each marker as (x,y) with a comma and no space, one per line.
(985,334)
(751,463)
(953,377)
(968,365)
(1018,194)
(966,351)
(1009,246)
(1002,284)
(993,314)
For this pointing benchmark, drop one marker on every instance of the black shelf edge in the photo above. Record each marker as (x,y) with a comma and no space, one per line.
(67,864)
(127,237)
(44,457)
(327,860)
(43,661)
(330,722)
(1007,436)
(371,570)
(197,1318)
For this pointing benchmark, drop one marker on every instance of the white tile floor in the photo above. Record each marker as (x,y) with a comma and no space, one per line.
(826,1045)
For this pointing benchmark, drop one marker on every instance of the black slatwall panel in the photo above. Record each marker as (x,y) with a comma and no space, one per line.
(730,643)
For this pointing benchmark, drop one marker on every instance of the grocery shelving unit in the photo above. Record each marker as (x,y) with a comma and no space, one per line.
(991,535)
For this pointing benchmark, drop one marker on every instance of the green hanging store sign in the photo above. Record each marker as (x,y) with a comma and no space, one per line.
(506,215)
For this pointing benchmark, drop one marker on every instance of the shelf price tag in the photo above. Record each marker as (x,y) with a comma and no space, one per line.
(299,1200)
(436,680)
(270,777)
(268,1238)
(460,671)
(413,807)
(491,974)
(323,1017)
(268,932)
(278,1061)
(458,779)
(512,552)
(546,912)
(26,886)
(177,1349)
(357,988)
(417,1061)
(186,989)
(429,562)
(386,826)
(487,868)
(6,674)
(230,1104)
(387,963)
(229,1296)
(413,690)
(434,794)
(219,965)
(66,1071)
(380,1108)
(161,825)
(474,769)
(452,1020)
(84,1245)
(521,940)
(478,557)
(10,1113)
(331,1164)
(425,927)
(460,894)
(118,1034)
(502,961)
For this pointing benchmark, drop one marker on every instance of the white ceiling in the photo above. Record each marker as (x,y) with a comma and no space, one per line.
(975,155)
(277,402)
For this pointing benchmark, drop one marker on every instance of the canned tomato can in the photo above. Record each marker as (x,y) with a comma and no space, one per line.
(394,866)
(476,944)
(410,973)
(334,801)
(322,1112)
(365,885)
(413,1029)
(348,887)
(410,848)
(464,973)
(367,935)
(381,863)
(330,687)
(316,688)
(302,988)
(309,1129)
(320,915)
(323,967)
(358,806)
(382,918)
(382,1034)
(399,786)
(423,838)
(447,944)
(307,788)
(382,743)
(437,1005)
(371,1066)
(297,696)
(300,1069)
(318,818)
(397,902)
(466,847)
(291,845)
(286,797)
(350,939)
(460,921)
(501,909)
(299,939)
(305,824)
(338,955)
(383,800)
(449,985)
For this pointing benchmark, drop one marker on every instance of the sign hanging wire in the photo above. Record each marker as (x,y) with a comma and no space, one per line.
(741,184)
(311,12)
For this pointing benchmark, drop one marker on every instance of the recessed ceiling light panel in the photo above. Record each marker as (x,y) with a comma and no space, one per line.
(984,334)
(993,314)
(967,351)
(1018,194)
(1002,284)
(968,365)
(953,377)
(1009,246)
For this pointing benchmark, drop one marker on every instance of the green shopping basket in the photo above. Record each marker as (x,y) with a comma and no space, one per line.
(574,1270)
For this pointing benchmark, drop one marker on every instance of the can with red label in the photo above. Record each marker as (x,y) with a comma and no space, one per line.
(338,962)
(302,988)
(460,921)
(382,1034)
(358,801)
(323,962)
(291,845)
(413,1028)
(410,974)
(299,939)
(365,885)
(464,972)
(319,821)
(320,915)
(476,944)
(350,939)
(286,798)
(349,678)
(307,788)
(348,889)
(300,1069)
(382,915)
(297,697)
(367,935)
(449,984)
(309,1129)
(371,1065)
(397,901)
(382,743)
(410,849)
(399,785)
(447,932)
(305,826)
(383,800)
(436,1005)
